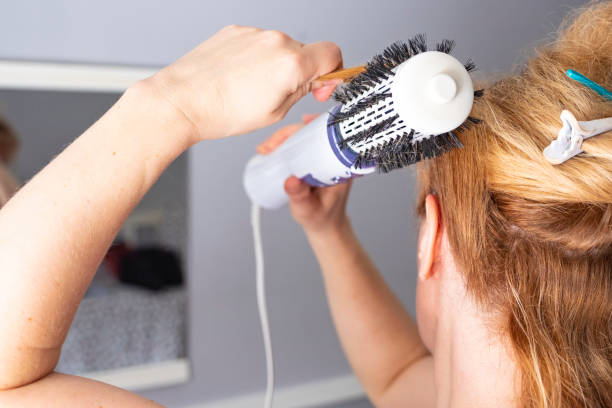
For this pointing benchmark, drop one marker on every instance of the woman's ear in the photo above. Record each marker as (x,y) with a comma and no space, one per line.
(429,236)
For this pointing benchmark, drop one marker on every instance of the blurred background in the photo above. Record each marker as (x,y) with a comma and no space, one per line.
(172,311)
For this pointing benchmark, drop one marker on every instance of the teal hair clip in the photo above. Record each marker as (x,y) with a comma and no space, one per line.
(577,76)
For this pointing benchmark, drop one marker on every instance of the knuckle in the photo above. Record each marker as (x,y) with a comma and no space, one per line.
(332,51)
(295,60)
(277,115)
(236,28)
(336,51)
(230,27)
(276,37)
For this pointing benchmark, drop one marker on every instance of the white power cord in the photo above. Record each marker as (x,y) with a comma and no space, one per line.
(261,303)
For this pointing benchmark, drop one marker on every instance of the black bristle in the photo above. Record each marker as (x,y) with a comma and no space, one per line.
(418,44)
(409,147)
(369,132)
(470,66)
(380,67)
(395,54)
(360,107)
(455,140)
(445,46)
(468,124)
(403,151)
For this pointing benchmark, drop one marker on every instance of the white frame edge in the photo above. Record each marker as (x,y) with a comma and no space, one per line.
(69,77)
(146,376)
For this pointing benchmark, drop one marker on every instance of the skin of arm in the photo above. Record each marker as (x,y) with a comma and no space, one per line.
(60,391)
(378,335)
(55,231)
(380,339)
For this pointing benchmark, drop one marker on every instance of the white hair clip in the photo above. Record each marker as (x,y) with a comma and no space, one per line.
(571,135)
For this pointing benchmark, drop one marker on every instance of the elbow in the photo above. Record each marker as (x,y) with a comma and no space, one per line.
(383,392)
(10,381)
(23,368)
(6,386)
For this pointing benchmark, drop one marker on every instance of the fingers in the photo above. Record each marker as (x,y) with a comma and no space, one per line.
(337,194)
(301,196)
(277,138)
(314,60)
(296,189)
(320,58)
(309,117)
(325,91)
(344,190)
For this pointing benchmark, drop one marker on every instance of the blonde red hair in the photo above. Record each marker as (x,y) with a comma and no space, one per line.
(534,240)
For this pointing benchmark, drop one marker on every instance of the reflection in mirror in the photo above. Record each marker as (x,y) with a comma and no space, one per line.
(134,312)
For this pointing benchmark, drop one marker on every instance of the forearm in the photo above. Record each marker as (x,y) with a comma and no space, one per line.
(378,335)
(66,391)
(57,228)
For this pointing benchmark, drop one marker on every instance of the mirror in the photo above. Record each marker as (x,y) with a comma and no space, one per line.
(130,329)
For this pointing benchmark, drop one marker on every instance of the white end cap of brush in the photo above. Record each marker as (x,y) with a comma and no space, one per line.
(433,93)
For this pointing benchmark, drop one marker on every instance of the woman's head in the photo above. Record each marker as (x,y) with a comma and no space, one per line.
(533,241)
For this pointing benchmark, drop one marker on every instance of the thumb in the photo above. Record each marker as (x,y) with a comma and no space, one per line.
(296,189)
(324,92)
(300,195)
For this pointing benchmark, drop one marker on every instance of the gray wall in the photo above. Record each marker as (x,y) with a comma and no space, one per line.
(225,343)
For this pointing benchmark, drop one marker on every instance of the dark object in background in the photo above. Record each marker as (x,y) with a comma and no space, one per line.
(151,268)
(8,142)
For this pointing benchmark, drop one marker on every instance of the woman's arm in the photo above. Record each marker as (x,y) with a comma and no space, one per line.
(56,229)
(66,391)
(378,335)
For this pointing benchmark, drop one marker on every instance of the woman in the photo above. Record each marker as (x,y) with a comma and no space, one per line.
(514,255)
(514,293)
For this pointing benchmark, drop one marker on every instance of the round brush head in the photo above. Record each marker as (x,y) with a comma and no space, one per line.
(406,106)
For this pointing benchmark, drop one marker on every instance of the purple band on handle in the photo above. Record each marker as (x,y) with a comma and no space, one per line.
(346,156)
(310,179)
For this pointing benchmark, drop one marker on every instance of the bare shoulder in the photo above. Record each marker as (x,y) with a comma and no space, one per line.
(413,387)
(67,391)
